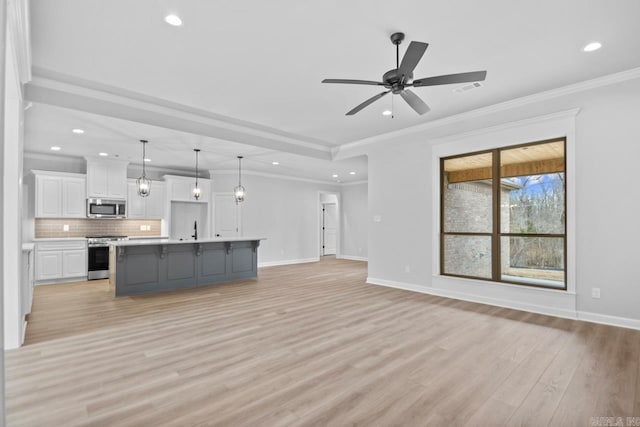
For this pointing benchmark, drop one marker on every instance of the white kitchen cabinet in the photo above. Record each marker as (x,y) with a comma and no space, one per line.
(61,259)
(74,263)
(150,207)
(156,201)
(181,188)
(48,265)
(74,196)
(106,179)
(48,196)
(60,195)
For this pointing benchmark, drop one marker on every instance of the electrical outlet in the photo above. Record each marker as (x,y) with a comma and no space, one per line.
(65,227)
(595,292)
(142,227)
(147,228)
(377,218)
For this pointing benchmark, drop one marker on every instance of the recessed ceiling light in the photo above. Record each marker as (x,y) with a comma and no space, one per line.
(173,20)
(147,160)
(592,46)
(275,163)
(335,175)
(78,131)
(55,148)
(386,113)
(352,173)
(103,154)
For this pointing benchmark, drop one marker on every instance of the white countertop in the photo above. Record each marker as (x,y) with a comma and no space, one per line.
(58,239)
(147,242)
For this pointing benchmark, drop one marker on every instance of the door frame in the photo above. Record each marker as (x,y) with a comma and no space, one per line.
(213,213)
(338,224)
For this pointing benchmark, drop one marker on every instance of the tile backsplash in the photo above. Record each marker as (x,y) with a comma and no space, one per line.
(55,227)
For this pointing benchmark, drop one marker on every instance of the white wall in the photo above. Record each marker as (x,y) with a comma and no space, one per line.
(355,224)
(12,213)
(607,150)
(285,211)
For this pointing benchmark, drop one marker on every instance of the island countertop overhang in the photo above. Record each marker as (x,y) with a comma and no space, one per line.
(154,242)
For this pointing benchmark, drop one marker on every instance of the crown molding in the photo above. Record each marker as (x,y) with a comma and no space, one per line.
(19,31)
(607,80)
(510,125)
(347,184)
(271,175)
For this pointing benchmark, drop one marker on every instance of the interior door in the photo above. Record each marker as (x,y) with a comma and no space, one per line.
(226,216)
(329,228)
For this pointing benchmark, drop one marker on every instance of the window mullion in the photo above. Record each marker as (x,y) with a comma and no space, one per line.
(495,240)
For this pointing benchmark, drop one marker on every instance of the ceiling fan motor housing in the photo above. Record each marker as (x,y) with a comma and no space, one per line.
(395,81)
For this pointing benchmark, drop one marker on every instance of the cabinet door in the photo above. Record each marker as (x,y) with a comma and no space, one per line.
(155,201)
(117,181)
(74,263)
(48,197)
(97,179)
(48,265)
(135,203)
(182,190)
(74,196)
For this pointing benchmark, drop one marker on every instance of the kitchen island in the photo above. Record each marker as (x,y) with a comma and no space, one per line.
(147,266)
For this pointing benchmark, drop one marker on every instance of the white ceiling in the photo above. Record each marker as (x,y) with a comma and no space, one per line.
(261,63)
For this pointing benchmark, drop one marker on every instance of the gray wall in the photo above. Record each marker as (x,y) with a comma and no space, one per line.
(354,220)
(285,211)
(401,186)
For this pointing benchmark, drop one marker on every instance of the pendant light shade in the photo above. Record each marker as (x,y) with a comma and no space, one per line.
(239,192)
(143,183)
(196,190)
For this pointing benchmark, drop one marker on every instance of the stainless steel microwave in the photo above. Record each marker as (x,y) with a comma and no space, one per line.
(106,208)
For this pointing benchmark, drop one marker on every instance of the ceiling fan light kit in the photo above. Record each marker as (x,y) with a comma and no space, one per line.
(400,78)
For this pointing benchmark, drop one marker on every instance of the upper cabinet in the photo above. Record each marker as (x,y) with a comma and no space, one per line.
(150,207)
(60,195)
(180,188)
(106,179)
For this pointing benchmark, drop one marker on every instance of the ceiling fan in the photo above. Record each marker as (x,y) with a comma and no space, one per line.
(399,79)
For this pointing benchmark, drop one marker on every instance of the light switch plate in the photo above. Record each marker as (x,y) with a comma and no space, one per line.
(65,227)
(595,292)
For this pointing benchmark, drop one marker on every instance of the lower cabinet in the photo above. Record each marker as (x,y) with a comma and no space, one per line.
(61,259)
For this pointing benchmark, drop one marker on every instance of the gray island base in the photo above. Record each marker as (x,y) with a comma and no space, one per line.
(141,267)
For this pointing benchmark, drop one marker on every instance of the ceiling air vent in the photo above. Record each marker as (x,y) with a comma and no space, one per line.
(467,88)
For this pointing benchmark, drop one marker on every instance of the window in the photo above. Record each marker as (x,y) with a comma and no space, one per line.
(503,215)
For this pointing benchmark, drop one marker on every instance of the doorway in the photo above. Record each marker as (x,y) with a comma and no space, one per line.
(226,215)
(329,223)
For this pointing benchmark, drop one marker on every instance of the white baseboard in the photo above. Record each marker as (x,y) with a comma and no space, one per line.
(60,281)
(623,322)
(551,311)
(605,319)
(352,258)
(287,262)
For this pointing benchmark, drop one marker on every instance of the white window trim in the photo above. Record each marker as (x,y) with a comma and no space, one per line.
(561,124)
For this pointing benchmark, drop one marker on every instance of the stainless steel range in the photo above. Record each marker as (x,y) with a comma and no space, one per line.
(98,262)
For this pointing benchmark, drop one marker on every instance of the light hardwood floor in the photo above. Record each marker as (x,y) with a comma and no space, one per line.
(311,344)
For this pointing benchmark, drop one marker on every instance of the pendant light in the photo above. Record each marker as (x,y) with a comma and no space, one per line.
(196,189)
(239,192)
(143,183)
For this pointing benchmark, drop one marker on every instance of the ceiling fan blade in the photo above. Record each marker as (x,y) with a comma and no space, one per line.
(415,102)
(353,82)
(447,79)
(412,56)
(367,103)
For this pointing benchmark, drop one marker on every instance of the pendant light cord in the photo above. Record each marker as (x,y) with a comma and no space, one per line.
(239,170)
(197,152)
(144,156)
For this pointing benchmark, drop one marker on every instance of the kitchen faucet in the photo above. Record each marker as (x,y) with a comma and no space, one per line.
(195,230)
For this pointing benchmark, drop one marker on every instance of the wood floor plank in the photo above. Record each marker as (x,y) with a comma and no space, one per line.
(305,345)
